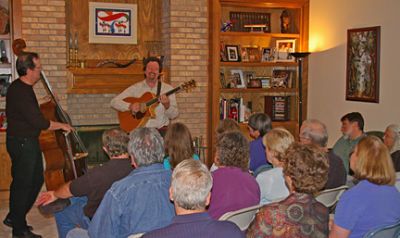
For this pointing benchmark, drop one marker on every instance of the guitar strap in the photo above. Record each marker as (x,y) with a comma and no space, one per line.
(158,88)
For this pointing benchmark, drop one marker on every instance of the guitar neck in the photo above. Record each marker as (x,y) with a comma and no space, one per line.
(154,100)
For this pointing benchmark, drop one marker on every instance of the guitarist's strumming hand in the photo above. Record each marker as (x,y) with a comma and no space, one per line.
(134,107)
(164,100)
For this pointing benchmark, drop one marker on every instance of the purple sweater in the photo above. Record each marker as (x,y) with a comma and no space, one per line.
(233,189)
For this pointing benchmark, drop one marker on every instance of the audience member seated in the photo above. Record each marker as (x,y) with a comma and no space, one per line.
(178,145)
(139,202)
(271,182)
(233,187)
(86,192)
(259,125)
(190,191)
(299,215)
(314,132)
(225,126)
(353,130)
(374,202)
(392,141)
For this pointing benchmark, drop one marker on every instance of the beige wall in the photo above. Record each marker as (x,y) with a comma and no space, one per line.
(329,21)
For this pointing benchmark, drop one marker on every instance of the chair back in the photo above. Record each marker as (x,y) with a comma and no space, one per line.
(397,184)
(243,217)
(388,231)
(138,235)
(329,197)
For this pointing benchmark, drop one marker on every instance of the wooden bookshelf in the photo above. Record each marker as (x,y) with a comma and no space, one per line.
(298,31)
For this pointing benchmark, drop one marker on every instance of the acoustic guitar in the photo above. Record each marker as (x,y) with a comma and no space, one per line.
(148,102)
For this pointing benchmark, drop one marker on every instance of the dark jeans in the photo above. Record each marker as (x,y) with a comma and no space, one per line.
(27,178)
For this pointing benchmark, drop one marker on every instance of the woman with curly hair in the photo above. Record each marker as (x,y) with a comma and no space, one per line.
(233,186)
(374,202)
(178,145)
(299,215)
(271,182)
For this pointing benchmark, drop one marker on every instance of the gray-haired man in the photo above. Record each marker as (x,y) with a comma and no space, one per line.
(190,190)
(139,202)
(314,132)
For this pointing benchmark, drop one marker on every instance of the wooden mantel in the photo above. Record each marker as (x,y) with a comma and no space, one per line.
(104,80)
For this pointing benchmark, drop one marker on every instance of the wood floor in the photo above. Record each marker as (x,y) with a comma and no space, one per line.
(44,226)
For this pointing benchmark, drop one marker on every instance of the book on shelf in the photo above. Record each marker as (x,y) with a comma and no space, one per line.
(277,107)
(240,19)
(232,108)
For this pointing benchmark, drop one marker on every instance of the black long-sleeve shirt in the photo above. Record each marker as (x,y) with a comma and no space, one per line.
(24,118)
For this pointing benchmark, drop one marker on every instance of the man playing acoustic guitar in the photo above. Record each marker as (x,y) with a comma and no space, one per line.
(166,110)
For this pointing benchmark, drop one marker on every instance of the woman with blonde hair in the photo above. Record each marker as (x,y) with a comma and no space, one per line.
(178,145)
(271,182)
(374,202)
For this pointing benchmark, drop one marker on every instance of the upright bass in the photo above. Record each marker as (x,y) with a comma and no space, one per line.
(65,154)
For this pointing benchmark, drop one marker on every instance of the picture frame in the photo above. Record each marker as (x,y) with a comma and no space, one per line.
(5,81)
(281,78)
(244,54)
(232,53)
(112,23)
(362,67)
(283,50)
(237,78)
(252,53)
(249,76)
(267,55)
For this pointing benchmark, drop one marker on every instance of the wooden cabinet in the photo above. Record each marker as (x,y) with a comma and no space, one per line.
(5,164)
(255,54)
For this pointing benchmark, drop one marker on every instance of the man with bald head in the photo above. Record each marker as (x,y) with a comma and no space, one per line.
(314,132)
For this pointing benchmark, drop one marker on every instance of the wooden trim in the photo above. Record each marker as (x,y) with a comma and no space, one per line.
(16,19)
(105,80)
(259,34)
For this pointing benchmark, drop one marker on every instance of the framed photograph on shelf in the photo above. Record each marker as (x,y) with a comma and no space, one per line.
(237,79)
(281,78)
(244,54)
(252,52)
(267,55)
(112,23)
(362,73)
(5,81)
(283,50)
(232,53)
(249,76)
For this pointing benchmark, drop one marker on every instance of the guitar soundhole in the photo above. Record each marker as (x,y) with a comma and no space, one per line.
(139,115)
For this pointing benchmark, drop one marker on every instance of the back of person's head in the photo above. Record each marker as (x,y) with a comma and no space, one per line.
(147,60)
(146,146)
(25,62)
(394,144)
(307,167)
(178,143)
(278,141)
(191,184)
(115,141)
(315,131)
(233,150)
(260,122)
(373,162)
(354,117)
(227,125)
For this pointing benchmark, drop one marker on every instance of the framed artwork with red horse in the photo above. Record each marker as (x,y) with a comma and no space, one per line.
(112,23)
